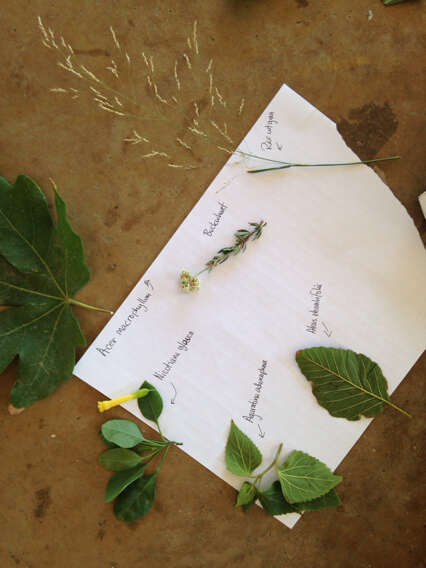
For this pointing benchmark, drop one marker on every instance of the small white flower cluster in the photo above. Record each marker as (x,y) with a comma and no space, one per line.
(189,282)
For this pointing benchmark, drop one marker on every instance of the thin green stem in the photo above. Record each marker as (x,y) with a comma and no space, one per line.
(160,432)
(87,306)
(152,443)
(151,455)
(258,478)
(163,457)
(286,165)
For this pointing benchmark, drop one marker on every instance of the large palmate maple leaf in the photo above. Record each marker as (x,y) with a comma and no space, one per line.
(41,268)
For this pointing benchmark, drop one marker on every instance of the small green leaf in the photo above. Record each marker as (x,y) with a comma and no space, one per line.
(327,501)
(246,496)
(392,2)
(137,499)
(151,405)
(242,455)
(345,383)
(304,478)
(105,441)
(273,500)
(122,479)
(119,459)
(124,433)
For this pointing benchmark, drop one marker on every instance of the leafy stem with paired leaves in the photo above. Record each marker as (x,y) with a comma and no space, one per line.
(130,455)
(304,483)
(258,478)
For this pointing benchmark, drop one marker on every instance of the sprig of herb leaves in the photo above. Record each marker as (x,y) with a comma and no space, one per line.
(190,282)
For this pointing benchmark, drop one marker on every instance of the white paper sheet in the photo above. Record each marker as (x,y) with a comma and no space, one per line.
(340,264)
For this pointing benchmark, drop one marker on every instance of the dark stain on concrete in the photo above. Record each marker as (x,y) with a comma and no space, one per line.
(43,502)
(101,531)
(135,219)
(112,216)
(93,52)
(368,128)
(14,558)
(302,3)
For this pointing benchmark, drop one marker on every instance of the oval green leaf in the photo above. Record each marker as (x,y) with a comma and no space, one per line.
(345,383)
(105,441)
(123,433)
(304,478)
(151,405)
(122,479)
(119,459)
(242,455)
(137,499)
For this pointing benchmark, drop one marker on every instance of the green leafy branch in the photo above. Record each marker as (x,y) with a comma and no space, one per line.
(242,236)
(304,483)
(190,282)
(130,455)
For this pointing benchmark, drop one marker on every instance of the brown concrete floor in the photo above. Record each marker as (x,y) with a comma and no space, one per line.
(366,74)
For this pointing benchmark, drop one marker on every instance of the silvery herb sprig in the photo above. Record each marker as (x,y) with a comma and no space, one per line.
(190,282)
(130,455)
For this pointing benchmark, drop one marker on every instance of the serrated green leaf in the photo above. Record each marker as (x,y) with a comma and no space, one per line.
(41,267)
(242,455)
(122,479)
(345,383)
(304,478)
(123,433)
(118,459)
(151,405)
(327,501)
(273,500)
(246,496)
(137,499)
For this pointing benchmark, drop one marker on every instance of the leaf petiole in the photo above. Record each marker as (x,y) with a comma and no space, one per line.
(87,306)
(163,457)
